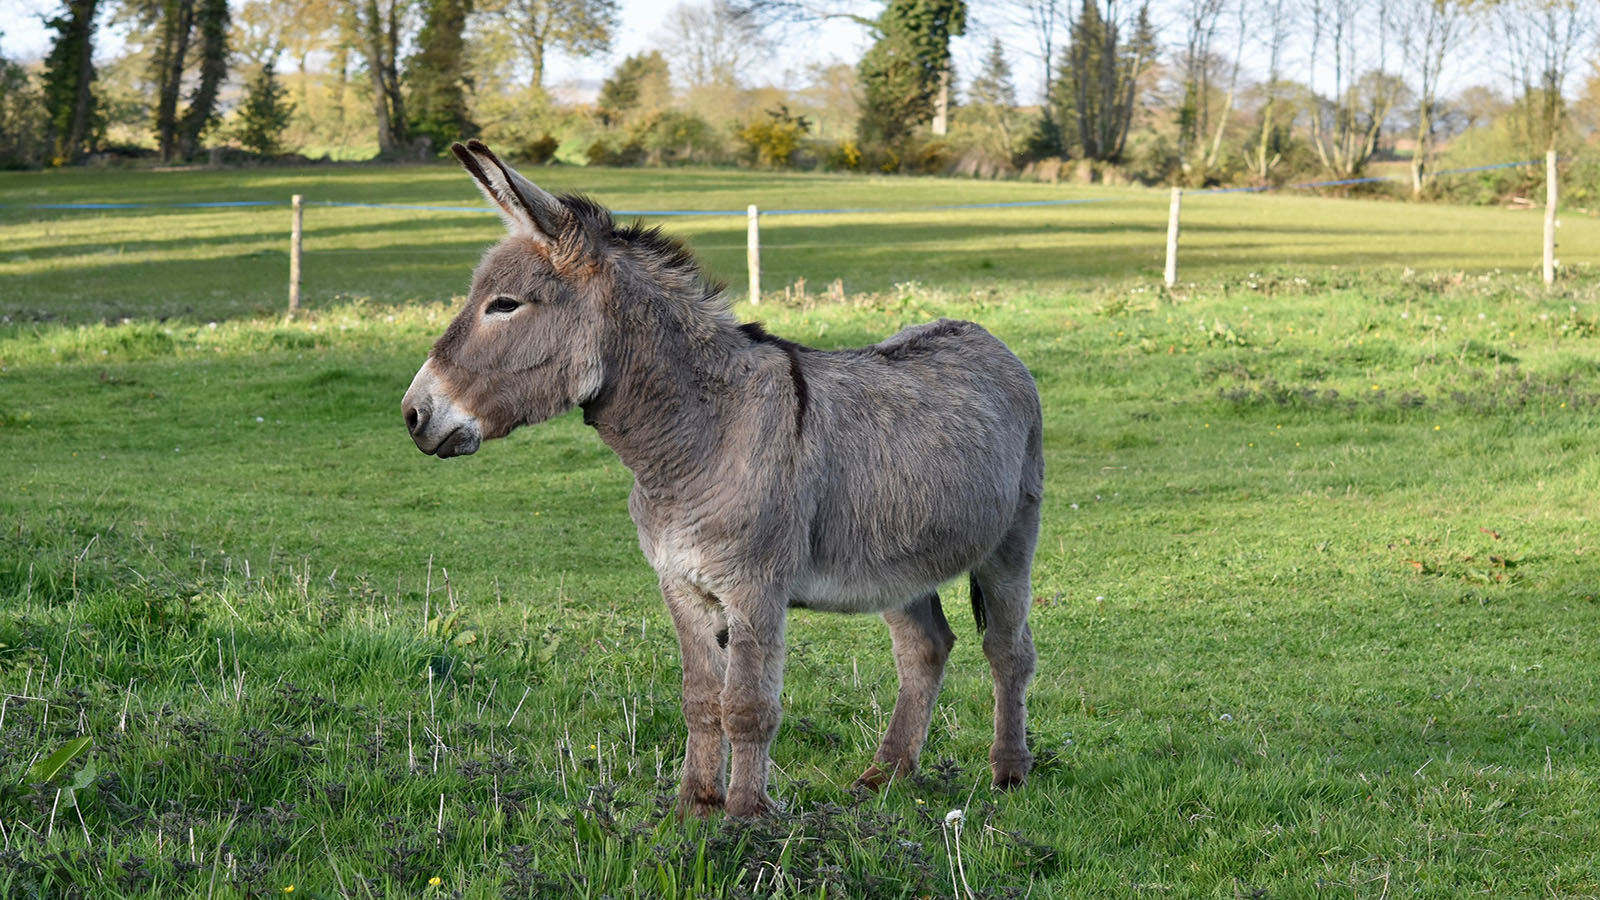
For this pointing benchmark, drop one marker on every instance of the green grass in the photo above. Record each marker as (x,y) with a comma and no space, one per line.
(226,262)
(1316,593)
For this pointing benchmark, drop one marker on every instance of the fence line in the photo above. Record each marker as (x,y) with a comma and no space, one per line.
(816,211)
(752,214)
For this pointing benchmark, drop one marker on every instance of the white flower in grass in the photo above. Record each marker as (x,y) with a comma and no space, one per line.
(954,817)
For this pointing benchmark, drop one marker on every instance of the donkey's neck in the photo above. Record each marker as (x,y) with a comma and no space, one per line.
(668,393)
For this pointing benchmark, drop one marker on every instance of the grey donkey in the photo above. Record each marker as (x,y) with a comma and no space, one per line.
(767,475)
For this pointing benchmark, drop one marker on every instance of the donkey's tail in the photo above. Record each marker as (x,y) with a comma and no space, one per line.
(980,611)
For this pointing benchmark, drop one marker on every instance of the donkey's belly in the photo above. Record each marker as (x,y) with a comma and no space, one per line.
(866,592)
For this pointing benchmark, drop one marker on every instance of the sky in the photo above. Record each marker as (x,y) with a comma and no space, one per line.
(25,38)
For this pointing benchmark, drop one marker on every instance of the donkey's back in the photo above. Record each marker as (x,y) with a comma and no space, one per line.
(920,453)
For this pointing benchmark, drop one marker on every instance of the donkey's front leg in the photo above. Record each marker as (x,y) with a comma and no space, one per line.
(702,631)
(750,696)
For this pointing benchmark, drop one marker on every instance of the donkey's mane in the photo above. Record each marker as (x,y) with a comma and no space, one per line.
(657,249)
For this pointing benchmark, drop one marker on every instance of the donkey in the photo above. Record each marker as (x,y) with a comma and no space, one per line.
(767,475)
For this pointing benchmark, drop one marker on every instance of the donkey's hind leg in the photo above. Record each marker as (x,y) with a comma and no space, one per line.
(1002,588)
(922,641)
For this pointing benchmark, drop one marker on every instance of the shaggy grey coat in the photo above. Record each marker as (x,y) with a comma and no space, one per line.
(767,475)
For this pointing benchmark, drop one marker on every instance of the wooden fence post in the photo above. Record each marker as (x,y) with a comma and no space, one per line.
(294,256)
(1550,216)
(753,253)
(1172,236)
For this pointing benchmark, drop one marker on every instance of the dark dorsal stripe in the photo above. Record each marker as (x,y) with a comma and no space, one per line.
(757,333)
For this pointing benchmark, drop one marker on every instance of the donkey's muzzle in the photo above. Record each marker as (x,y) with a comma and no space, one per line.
(437,426)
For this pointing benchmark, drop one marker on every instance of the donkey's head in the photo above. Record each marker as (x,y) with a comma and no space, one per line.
(527,346)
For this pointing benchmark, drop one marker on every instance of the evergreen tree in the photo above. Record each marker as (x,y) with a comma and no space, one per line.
(69,80)
(436,74)
(1097,90)
(993,86)
(639,86)
(266,111)
(992,97)
(901,73)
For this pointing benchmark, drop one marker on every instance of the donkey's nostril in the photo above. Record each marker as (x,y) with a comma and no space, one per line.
(414,419)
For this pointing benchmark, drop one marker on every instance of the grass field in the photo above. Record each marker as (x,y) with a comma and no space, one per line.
(228,262)
(1316,599)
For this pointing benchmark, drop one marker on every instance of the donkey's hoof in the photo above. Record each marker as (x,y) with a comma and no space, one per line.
(872,779)
(879,774)
(753,806)
(1011,771)
(1005,781)
(697,805)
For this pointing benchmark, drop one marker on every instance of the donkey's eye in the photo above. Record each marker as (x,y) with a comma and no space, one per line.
(502,305)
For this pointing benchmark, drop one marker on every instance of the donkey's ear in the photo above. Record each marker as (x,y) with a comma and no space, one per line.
(527,208)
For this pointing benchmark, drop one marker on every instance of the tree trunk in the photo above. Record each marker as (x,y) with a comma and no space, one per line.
(1262,168)
(177,22)
(377,70)
(83,101)
(397,103)
(1419,156)
(213,70)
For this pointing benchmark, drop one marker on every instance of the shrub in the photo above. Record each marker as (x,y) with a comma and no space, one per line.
(673,137)
(935,157)
(612,150)
(537,152)
(772,141)
(843,156)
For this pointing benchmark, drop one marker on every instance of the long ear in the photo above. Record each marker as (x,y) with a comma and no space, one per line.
(527,208)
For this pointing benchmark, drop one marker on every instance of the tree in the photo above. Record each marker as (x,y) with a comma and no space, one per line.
(174,25)
(301,30)
(582,28)
(24,123)
(711,43)
(992,97)
(1540,38)
(69,80)
(378,28)
(1277,16)
(436,73)
(1429,31)
(1201,118)
(1042,20)
(265,112)
(1346,124)
(1098,85)
(212,20)
(903,71)
(638,87)
(176,22)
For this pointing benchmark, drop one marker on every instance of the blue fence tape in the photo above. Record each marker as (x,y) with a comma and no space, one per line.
(204,205)
(1015,204)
